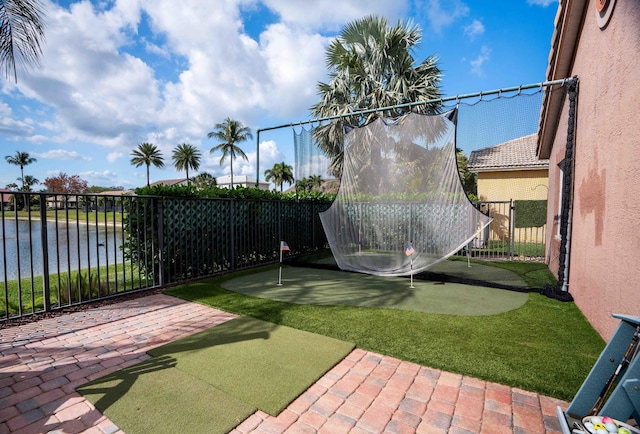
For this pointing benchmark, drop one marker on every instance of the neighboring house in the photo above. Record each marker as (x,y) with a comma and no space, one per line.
(111,201)
(508,172)
(61,201)
(5,199)
(169,182)
(599,192)
(240,180)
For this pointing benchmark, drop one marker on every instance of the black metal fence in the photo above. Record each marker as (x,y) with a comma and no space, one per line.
(504,239)
(62,250)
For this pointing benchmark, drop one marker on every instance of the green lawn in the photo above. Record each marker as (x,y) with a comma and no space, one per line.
(70,213)
(546,346)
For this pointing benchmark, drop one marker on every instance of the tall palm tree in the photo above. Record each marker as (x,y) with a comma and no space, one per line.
(279,174)
(147,153)
(20,159)
(186,156)
(21,35)
(371,66)
(230,132)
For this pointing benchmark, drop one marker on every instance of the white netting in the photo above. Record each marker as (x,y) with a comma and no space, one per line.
(309,159)
(400,186)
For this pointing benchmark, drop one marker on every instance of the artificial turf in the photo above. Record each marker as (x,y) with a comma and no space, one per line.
(545,346)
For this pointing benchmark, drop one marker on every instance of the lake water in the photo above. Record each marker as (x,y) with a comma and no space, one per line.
(70,247)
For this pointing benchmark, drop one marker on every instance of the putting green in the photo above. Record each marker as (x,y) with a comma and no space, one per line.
(329,287)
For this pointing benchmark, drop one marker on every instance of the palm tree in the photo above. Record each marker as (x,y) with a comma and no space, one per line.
(316,181)
(371,66)
(230,132)
(21,35)
(303,185)
(186,156)
(204,180)
(20,159)
(279,174)
(29,182)
(147,153)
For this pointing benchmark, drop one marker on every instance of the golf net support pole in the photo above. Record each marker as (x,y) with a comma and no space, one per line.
(459,97)
(280,269)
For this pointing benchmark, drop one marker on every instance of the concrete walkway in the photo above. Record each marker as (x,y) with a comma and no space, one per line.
(42,363)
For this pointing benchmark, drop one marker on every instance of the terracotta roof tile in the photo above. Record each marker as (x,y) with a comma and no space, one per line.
(516,154)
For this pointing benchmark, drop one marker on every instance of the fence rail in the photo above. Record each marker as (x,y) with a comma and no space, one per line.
(62,250)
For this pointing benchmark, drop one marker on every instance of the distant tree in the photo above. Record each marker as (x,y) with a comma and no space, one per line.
(148,154)
(303,185)
(21,35)
(204,180)
(230,132)
(29,182)
(20,159)
(279,174)
(98,189)
(315,181)
(468,179)
(186,156)
(66,184)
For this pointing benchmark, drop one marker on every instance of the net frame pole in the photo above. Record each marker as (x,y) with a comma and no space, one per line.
(458,97)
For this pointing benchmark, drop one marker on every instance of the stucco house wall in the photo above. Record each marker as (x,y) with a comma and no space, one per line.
(514,184)
(604,267)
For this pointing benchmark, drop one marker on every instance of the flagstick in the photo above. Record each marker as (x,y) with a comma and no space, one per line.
(412,273)
(280,271)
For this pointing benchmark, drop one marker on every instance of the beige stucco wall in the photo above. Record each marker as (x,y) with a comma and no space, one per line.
(513,185)
(604,274)
(516,185)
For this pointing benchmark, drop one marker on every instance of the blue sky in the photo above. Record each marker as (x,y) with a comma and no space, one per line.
(118,73)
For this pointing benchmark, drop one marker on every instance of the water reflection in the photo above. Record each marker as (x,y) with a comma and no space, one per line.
(72,246)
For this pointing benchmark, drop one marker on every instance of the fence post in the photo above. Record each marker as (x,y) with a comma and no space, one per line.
(161,270)
(512,229)
(279,223)
(313,226)
(233,234)
(45,251)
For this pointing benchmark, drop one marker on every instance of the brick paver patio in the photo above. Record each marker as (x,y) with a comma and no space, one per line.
(43,362)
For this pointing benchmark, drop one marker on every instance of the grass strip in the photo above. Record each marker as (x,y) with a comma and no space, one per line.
(546,346)
(155,397)
(260,363)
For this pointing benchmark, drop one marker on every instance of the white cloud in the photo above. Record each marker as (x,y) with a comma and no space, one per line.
(441,16)
(330,15)
(480,60)
(476,28)
(114,156)
(104,178)
(61,154)
(543,3)
(12,127)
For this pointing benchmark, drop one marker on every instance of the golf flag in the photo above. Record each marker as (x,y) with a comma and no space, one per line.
(409,250)
(284,247)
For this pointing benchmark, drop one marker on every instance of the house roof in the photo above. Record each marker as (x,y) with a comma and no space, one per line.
(237,180)
(4,197)
(516,154)
(567,24)
(116,192)
(168,182)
